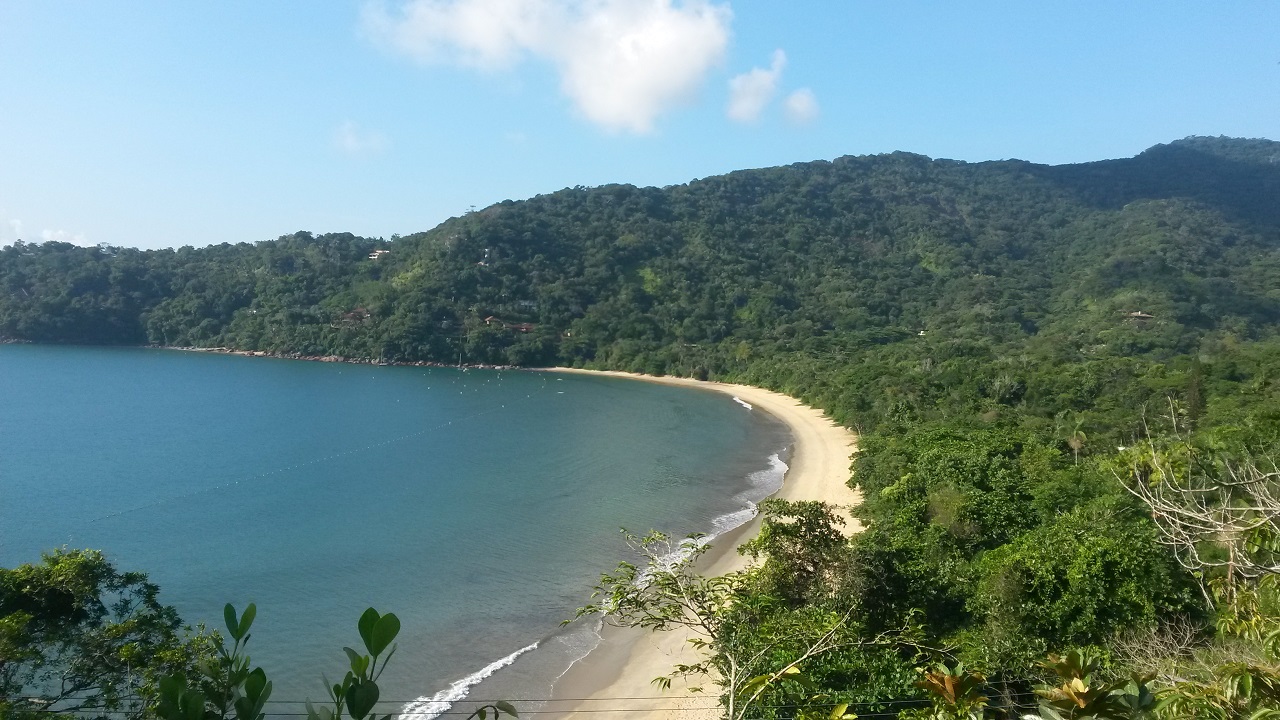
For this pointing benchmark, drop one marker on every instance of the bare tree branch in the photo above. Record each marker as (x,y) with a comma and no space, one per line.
(1218,515)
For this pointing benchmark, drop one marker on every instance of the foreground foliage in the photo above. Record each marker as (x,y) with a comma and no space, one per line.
(82,640)
(78,637)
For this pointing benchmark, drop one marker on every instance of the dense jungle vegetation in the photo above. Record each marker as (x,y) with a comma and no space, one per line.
(1050,367)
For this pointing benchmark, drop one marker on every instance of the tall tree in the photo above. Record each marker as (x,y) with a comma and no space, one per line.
(78,636)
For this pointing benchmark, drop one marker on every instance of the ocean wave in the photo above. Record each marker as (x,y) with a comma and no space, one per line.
(580,644)
(763,484)
(742,402)
(425,708)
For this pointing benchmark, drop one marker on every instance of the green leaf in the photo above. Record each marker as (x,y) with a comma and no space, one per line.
(361,697)
(171,686)
(255,684)
(358,661)
(193,706)
(384,631)
(507,708)
(386,660)
(233,626)
(246,620)
(755,683)
(333,689)
(367,622)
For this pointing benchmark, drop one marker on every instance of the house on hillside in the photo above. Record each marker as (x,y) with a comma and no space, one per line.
(517,327)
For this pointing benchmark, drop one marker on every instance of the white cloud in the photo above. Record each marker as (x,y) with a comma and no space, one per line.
(751,91)
(11,230)
(487,34)
(623,63)
(353,141)
(801,106)
(63,236)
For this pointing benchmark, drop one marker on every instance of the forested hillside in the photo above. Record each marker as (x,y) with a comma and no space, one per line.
(1020,346)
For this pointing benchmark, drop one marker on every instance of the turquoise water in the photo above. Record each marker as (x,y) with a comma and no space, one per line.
(479,506)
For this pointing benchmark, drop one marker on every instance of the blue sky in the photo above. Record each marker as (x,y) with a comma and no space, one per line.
(155,124)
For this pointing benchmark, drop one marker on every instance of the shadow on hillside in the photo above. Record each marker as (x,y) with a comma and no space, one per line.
(1240,179)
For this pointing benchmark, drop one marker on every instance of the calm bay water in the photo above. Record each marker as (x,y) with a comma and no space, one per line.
(478,506)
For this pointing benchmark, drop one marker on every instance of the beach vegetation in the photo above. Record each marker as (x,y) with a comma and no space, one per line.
(80,639)
(661,591)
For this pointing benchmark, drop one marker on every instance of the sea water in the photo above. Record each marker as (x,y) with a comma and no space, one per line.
(479,506)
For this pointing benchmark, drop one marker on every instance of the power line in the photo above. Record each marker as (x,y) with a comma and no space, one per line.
(544,711)
(483,701)
(526,712)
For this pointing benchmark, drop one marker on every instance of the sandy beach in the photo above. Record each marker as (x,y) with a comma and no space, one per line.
(617,676)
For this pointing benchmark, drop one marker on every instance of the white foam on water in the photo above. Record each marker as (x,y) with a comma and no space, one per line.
(763,484)
(742,402)
(729,521)
(425,708)
(580,644)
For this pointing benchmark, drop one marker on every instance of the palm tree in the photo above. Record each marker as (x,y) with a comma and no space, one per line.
(1076,441)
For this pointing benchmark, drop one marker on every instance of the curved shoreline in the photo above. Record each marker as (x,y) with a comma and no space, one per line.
(625,662)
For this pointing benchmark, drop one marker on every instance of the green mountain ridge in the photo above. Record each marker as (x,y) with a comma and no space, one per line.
(822,260)
(731,249)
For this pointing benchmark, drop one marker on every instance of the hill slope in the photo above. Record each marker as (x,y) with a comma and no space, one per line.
(828,260)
